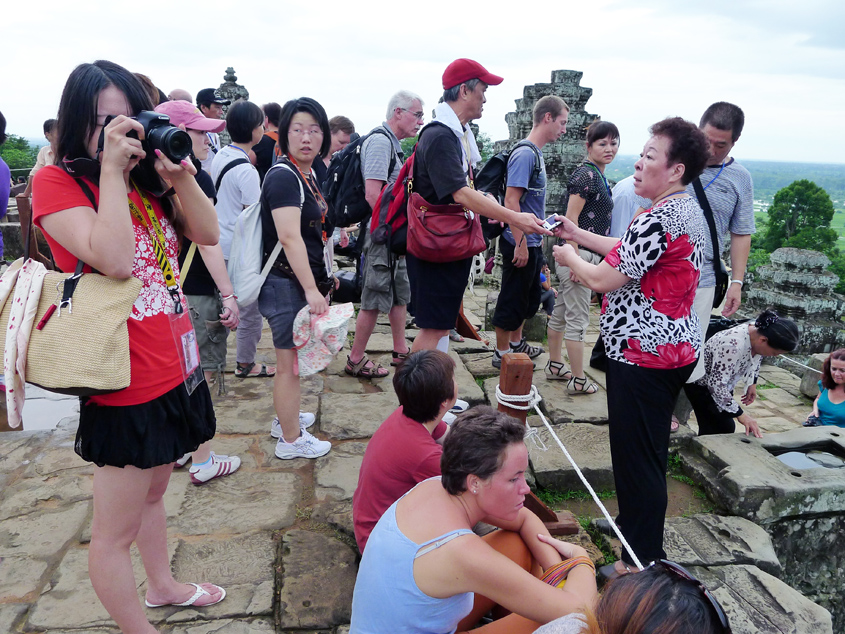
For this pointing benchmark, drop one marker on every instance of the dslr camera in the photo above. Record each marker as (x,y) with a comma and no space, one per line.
(160,134)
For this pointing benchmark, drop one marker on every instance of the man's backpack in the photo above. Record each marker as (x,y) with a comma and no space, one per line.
(493,179)
(344,186)
(245,256)
(389,223)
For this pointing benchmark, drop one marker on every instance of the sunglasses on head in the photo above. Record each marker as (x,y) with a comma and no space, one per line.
(683,573)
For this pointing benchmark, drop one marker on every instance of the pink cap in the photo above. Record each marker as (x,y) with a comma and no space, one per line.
(462,70)
(185,113)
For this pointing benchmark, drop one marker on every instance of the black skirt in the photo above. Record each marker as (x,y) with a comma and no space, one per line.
(146,435)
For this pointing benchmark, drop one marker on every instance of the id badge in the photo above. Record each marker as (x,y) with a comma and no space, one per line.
(185,339)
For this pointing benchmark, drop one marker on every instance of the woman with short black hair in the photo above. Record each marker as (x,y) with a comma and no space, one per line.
(292,213)
(651,334)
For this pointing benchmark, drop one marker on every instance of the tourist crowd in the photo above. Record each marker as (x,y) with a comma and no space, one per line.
(647,249)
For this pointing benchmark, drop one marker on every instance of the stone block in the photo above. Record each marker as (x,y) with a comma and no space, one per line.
(589,447)
(336,475)
(318,579)
(758,603)
(346,385)
(743,475)
(43,533)
(229,626)
(468,389)
(479,364)
(380,343)
(337,514)
(535,327)
(344,417)
(810,379)
(207,510)
(244,413)
(11,614)
(715,540)
(27,494)
(20,576)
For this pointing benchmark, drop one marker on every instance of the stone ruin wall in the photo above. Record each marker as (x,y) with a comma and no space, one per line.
(232,91)
(564,155)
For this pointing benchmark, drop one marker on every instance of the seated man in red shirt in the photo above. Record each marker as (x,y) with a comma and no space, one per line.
(406,448)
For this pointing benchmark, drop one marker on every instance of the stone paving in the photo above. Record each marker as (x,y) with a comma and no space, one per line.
(278,534)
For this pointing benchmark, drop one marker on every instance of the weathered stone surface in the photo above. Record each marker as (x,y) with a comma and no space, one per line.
(58,458)
(242,564)
(468,389)
(381,343)
(207,510)
(244,415)
(715,540)
(479,364)
(44,533)
(743,475)
(346,385)
(319,576)
(756,602)
(26,494)
(337,514)
(810,379)
(10,614)
(20,575)
(336,475)
(589,447)
(227,626)
(344,417)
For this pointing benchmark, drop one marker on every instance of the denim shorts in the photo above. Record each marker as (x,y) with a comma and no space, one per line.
(279,301)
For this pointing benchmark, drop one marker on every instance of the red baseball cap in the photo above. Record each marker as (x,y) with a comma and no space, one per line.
(464,69)
(185,112)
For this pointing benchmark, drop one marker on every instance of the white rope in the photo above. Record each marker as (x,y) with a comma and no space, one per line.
(532,400)
(806,367)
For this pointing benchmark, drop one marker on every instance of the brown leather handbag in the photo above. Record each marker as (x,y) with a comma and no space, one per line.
(442,233)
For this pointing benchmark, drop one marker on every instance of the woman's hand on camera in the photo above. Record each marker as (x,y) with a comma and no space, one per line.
(119,150)
(230,316)
(316,302)
(566,550)
(171,171)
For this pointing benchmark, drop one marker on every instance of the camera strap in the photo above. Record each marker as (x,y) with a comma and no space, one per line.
(153,226)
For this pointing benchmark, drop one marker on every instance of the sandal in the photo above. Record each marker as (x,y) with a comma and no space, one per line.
(455,336)
(399,357)
(585,388)
(611,571)
(253,370)
(374,371)
(554,372)
(674,425)
(200,592)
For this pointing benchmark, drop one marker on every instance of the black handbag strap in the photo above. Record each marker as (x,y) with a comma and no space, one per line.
(711,222)
(226,168)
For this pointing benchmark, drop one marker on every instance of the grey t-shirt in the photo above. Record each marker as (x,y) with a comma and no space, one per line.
(521,174)
(731,196)
(376,153)
(569,624)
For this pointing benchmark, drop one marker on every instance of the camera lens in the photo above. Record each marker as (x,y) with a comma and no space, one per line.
(173,142)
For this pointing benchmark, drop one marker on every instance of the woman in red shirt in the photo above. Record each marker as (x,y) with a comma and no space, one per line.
(104,204)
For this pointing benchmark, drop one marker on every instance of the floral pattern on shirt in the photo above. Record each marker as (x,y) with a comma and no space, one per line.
(649,321)
(728,360)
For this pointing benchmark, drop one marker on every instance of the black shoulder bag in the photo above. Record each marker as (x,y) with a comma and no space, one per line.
(719,268)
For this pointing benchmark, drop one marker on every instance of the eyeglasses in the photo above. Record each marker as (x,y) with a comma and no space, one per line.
(417,115)
(685,574)
(308,131)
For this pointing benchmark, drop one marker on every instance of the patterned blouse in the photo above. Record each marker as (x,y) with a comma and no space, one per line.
(649,321)
(587,182)
(728,360)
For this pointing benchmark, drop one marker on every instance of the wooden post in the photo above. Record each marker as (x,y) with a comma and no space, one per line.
(515,379)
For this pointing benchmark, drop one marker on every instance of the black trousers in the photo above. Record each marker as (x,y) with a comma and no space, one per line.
(639,407)
(711,420)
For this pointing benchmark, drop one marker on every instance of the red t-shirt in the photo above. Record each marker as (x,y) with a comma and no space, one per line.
(154,359)
(400,455)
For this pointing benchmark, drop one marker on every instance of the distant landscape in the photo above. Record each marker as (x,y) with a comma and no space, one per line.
(769,177)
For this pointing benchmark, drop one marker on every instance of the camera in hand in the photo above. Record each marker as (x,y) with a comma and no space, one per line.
(160,134)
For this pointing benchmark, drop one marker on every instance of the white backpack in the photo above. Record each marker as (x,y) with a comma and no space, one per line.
(244,265)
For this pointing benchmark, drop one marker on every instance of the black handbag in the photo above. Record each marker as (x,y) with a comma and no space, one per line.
(719,267)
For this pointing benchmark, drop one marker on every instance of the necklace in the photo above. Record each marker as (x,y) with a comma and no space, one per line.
(600,173)
(315,191)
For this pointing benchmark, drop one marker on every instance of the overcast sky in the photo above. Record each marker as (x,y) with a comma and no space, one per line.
(782,62)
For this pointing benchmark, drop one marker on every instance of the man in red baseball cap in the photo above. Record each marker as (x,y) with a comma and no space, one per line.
(445,154)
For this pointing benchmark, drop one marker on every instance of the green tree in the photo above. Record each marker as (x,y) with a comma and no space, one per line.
(408,145)
(18,153)
(800,217)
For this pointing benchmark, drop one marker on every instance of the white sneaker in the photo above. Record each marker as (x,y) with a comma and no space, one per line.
(306,419)
(449,418)
(217,467)
(182,461)
(306,446)
(459,406)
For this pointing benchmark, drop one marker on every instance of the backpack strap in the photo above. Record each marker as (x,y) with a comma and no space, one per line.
(711,223)
(392,165)
(535,173)
(274,254)
(228,166)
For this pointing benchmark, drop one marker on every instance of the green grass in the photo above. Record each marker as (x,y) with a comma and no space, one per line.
(553,497)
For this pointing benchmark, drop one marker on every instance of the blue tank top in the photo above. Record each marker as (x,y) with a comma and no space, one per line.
(387,599)
(830,413)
